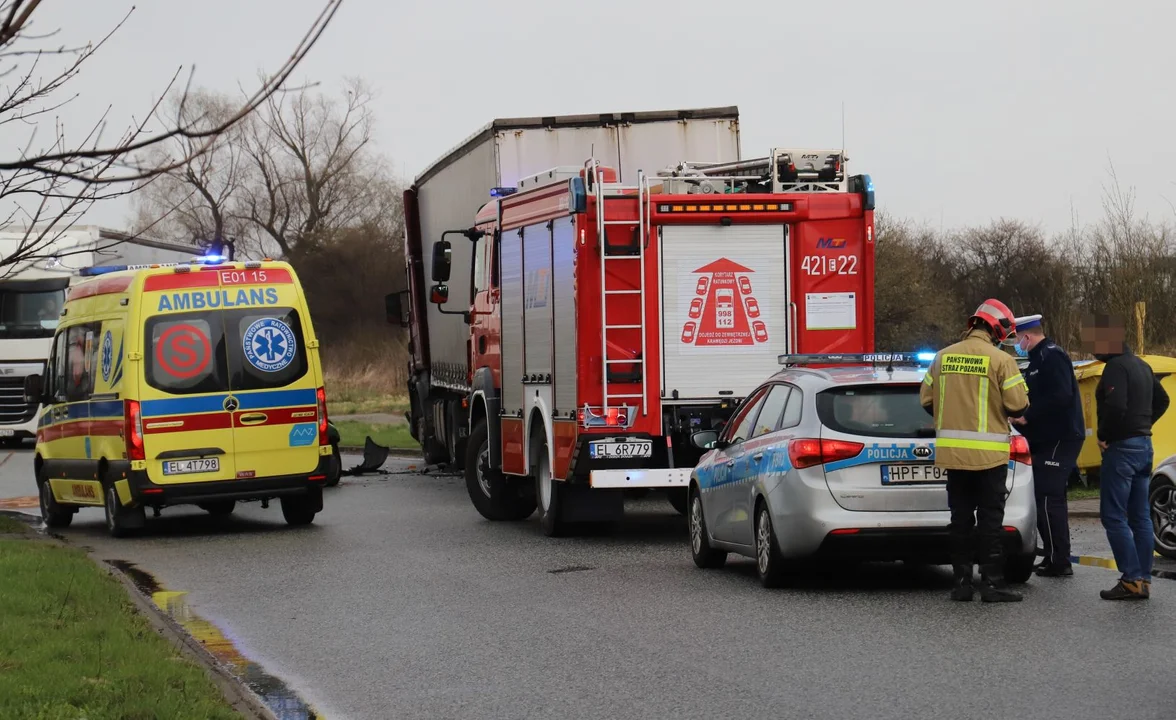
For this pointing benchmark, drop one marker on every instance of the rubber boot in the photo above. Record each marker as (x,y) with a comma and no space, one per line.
(993,587)
(962,591)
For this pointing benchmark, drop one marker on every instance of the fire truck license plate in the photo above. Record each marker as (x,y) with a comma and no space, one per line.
(896,474)
(620,449)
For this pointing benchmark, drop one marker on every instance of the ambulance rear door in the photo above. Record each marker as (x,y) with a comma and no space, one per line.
(271,375)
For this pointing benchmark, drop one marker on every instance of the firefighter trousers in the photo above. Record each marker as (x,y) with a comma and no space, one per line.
(977,501)
(1052,466)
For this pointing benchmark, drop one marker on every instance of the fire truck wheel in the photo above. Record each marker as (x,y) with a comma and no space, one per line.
(495,496)
(548,494)
(680,499)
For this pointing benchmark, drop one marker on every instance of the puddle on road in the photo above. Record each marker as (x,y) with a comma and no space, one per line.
(276,694)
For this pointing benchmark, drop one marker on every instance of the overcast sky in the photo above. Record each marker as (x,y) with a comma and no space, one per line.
(960,113)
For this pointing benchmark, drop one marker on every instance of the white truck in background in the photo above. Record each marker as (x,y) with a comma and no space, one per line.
(32,294)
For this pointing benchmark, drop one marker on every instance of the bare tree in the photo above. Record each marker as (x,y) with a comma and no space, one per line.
(51,182)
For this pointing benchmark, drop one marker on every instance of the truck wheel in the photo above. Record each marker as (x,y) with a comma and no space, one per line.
(679,498)
(298,510)
(433,452)
(53,514)
(548,495)
(121,521)
(495,496)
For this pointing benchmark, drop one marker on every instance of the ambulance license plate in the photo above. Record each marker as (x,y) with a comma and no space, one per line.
(910,474)
(185,467)
(614,449)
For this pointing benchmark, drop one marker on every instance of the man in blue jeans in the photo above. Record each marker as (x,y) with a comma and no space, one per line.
(1129,400)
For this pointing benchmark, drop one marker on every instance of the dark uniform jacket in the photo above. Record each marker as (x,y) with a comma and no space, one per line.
(1055,405)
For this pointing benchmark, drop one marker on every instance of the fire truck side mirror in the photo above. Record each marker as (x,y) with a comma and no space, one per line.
(439,295)
(442,261)
(396,307)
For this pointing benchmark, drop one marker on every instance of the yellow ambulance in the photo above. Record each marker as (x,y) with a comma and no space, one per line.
(189,384)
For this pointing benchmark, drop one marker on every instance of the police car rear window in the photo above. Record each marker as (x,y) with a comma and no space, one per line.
(186,353)
(888,411)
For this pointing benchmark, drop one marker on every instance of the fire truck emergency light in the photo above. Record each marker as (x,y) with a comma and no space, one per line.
(717,207)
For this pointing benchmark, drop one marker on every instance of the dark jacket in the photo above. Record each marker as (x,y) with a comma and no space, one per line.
(1129,398)
(1055,405)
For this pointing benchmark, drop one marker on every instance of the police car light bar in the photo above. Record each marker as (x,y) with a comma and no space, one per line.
(912,359)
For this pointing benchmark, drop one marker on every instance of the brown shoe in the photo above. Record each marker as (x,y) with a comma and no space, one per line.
(1146,588)
(1125,590)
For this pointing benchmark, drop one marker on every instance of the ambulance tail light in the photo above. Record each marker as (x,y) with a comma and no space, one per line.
(134,429)
(806,452)
(321,396)
(1019,450)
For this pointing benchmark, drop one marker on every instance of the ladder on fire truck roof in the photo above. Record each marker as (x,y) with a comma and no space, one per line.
(602,191)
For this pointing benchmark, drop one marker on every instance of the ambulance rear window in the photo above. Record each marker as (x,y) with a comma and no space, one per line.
(186,353)
(267,348)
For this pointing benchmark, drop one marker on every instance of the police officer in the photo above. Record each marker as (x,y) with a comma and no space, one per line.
(1055,429)
(972,388)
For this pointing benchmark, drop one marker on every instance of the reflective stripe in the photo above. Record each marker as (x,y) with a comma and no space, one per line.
(939,408)
(1014,381)
(969,435)
(942,442)
(982,403)
(928,379)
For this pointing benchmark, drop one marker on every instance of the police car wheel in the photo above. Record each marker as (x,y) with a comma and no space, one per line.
(120,522)
(705,556)
(54,515)
(1162,501)
(1019,568)
(769,566)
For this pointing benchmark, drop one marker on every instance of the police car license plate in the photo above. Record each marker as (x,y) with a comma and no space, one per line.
(185,467)
(908,474)
(7,432)
(609,449)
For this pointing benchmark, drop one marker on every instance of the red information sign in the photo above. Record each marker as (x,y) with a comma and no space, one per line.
(183,351)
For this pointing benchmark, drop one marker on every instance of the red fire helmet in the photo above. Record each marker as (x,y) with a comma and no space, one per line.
(997,316)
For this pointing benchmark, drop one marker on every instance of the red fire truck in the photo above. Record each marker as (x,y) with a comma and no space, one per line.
(608,322)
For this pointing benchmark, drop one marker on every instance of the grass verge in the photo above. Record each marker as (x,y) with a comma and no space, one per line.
(360,403)
(72,645)
(8,525)
(394,436)
(1082,493)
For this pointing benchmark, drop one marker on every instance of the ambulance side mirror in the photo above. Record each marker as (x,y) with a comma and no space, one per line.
(396,308)
(442,261)
(33,390)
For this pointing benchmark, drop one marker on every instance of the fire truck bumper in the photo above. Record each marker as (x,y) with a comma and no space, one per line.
(651,478)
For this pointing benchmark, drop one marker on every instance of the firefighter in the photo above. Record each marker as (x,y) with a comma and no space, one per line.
(972,389)
(1056,430)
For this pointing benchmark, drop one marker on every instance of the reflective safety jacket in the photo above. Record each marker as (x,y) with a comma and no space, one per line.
(972,388)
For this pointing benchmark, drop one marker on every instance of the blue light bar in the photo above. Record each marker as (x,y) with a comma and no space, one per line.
(101,270)
(910,359)
(502,191)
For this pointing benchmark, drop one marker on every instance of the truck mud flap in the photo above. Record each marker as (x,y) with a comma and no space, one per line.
(374,457)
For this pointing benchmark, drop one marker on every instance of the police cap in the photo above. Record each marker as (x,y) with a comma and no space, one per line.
(1028,322)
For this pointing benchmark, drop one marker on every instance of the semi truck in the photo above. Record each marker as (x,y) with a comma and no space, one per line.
(607,308)
(33,293)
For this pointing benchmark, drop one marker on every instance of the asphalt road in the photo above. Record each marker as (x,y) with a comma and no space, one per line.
(401,602)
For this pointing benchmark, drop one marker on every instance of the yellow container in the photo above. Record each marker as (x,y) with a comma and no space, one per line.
(1088,373)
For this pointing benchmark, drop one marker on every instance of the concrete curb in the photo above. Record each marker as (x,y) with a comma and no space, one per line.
(236,694)
(1092,514)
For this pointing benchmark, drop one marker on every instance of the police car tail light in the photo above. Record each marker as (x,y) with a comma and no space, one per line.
(1019,450)
(806,452)
(134,430)
(321,396)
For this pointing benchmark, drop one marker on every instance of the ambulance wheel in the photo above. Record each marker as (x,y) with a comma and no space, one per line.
(219,508)
(53,514)
(548,495)
(298,510)
(121,521)
(334,467)
(680,499)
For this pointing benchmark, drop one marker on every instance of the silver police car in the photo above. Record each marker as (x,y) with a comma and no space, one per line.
(832,458)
